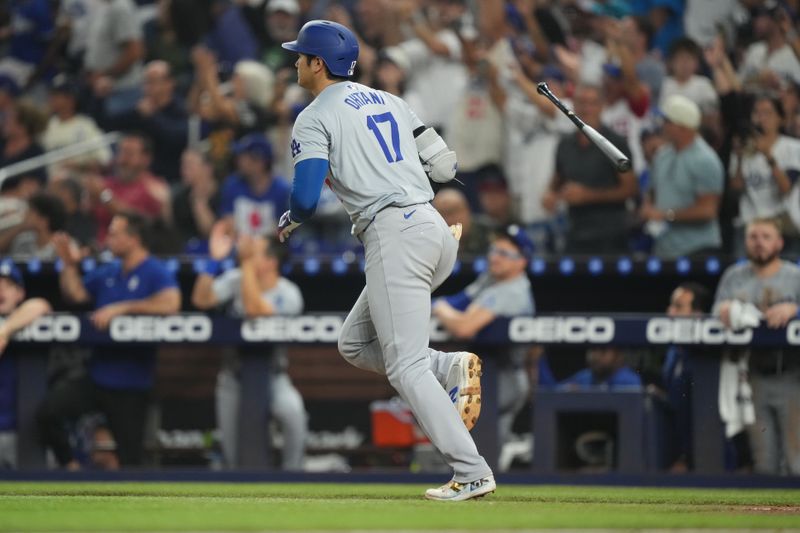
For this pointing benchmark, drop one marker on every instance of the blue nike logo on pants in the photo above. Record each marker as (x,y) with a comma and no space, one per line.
(408,215)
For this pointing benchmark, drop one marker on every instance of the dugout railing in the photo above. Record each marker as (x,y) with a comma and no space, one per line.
(706,335)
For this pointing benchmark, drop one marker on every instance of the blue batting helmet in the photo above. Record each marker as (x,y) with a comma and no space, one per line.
(330,41)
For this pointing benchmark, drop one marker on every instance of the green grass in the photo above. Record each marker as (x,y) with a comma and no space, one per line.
(303,507)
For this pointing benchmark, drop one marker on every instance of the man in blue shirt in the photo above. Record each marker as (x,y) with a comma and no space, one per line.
(687,300)
(17,313)
(161,115)
(252,198)
(606,369)
(120,377)
(230,38)
(666,17)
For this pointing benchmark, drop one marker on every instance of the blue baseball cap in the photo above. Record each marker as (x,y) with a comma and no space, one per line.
(9,84)
(491,178)
(553,72)
(254,144)
(613,70)
(65,85)
(612,8)
(519,238)
(9,270)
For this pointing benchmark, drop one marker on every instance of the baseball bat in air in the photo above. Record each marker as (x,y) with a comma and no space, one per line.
(620,161)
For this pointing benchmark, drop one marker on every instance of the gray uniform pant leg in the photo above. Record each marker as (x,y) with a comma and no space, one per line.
(403,257)
(359,345)
(8,450)
(513,390)
(226,398)
(286,406)
(775,436)
(289,411)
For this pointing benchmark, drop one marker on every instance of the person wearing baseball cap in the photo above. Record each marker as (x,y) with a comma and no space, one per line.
(256,145)
(17,313)
(519,238)
(66,126)
(494,196)
(253,198)
(282,22)
(503,290)
(687,182)
(9,271)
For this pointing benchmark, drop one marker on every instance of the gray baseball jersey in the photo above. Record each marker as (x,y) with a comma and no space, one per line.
(739,282)
(285,296)
(380,165)
(367,137)
(505,298)
(286,404)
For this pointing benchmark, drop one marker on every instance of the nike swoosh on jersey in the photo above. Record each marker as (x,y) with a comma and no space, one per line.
(408,215)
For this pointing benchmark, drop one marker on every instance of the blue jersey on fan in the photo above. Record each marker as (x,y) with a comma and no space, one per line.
(126,367)
(254,214)
(621,379)
(32,25)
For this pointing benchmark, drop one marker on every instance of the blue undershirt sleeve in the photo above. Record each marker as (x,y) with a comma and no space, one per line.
(309,177)
(459,301)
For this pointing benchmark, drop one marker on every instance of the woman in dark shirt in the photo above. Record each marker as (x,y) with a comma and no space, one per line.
(195,201)
(21,128)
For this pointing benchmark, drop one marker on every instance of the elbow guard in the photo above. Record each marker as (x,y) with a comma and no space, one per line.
(438,160)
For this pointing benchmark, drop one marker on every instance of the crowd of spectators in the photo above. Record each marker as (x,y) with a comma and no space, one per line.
(704,98)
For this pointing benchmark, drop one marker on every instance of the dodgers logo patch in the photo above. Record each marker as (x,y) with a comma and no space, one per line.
(295,148)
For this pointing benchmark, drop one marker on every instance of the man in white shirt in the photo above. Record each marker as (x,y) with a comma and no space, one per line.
(772,55)
(434,59)
(684,61)
(66,127)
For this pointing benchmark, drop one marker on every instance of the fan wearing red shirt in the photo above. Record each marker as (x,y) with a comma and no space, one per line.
(627,98)
(131,187)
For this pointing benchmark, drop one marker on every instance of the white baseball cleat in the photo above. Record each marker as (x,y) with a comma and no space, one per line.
(463,385)
(456,492)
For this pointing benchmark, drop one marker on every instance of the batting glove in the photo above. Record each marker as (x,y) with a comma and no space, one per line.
(286,226)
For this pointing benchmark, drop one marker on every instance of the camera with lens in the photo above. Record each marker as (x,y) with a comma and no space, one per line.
(749,130)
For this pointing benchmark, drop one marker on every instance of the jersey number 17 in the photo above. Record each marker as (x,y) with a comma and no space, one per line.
(373,122)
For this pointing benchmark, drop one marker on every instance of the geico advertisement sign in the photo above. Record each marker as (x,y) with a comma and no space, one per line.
(191,328)
(293,329)
(793,332)
(694,331)
(567,329)
(51,328)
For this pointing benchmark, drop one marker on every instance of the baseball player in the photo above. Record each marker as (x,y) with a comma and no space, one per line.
(377,154)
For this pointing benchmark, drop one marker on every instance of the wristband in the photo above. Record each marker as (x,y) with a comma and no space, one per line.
(106,196)
(208,266)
